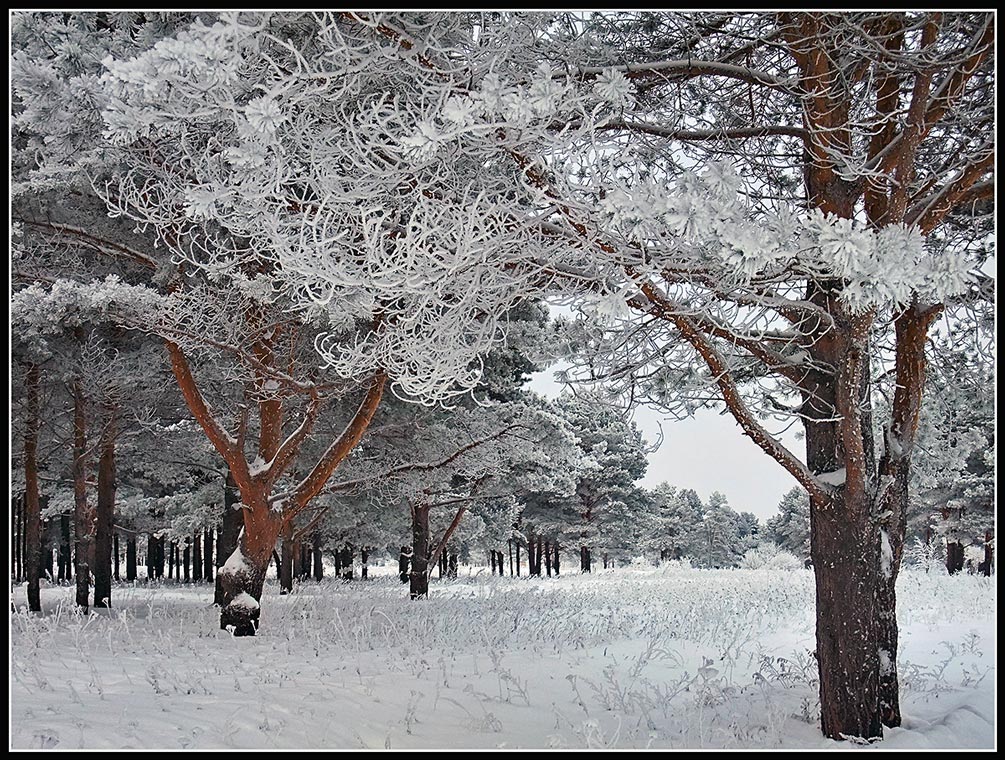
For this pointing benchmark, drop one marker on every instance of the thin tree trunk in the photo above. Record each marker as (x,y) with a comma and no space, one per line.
(404,563)
(172,549)
(105,513)
(509,550)
(492,560)
(989,553)
(452,565)
(151,556)
(286,560)
(65,554)
(32,504)
(15,564)
(197,565)
(585,563)
(547,557)
(418,578)
(208,565)
(364,559)
(554,557)
(319,569)
(130,558)
(516,549)
(186,560)
(83,516)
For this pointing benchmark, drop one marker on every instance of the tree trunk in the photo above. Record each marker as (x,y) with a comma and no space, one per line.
(226,539)
(115,556)
(845,550)
(17,507)
(105,514)
(319,569)
(404,562)
(585,564)
(172,563)
(531,546)
(547,557)
(32,504)
(954,557)
(208,566)
(347,555)
(151,556)
(65,561)
(509,551)
(364,555)
(554,557)
(130,558)
(989,553)
(418,578)
(83,516)
(241,579)
(197,565)
(286,552)
(186,560)
(452,566)
(516,551)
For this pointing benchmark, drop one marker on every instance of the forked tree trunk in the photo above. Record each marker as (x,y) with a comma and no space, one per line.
(32,503)
(105,515)
(418,586)
(241,579)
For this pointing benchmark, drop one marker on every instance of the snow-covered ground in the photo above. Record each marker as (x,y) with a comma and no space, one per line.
(638,657)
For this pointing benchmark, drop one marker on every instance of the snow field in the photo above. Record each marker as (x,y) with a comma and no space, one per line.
(670,657)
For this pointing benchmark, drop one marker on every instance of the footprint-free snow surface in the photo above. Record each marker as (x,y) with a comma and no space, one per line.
(632,658)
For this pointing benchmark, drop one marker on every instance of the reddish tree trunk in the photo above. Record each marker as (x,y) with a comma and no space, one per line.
(954,557)
(242,576)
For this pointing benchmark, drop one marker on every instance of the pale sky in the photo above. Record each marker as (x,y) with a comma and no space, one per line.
(707,453)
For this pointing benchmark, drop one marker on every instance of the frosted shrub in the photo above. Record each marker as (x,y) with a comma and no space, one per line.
(770,557)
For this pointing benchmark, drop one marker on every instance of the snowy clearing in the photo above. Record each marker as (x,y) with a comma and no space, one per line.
(639,657)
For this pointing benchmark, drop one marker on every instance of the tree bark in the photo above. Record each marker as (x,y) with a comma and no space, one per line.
(208,566)
(105,514)
(319,569)
(65,560)
(547,557)
(32,504)
(115,556)
(845,548)
(954,557)
(554,557)
(516,551)
(197,565)
(286,561)
(17,509)
(585,563)
(83,516)
(364,555)
(418,578)
(452,565)
(151,556)
(989,553)
(131,558)
(186,560)
(226,539)
(242,577)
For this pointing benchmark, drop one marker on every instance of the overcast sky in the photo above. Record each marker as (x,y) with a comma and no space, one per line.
(707,453)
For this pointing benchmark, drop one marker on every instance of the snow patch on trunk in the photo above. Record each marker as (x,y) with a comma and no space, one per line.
(235,564)
(245,600)
(885,663)
(885,554)
(835,478)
